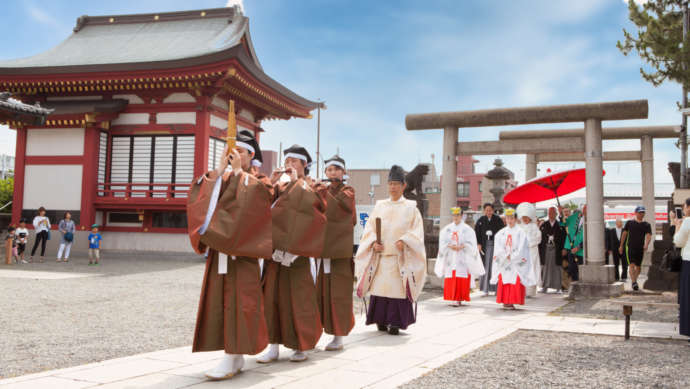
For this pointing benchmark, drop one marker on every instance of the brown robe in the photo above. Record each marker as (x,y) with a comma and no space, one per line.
(290,299)
(335,289)
(231,315)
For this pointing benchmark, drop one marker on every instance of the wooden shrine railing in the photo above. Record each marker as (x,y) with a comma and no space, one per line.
(151,190)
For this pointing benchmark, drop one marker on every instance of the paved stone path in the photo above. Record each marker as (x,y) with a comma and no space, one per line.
(371,359)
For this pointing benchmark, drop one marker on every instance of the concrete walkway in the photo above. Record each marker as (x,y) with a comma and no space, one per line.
(371,359)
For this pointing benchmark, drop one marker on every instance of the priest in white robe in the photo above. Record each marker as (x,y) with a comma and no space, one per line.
(458,259)
(393,269)
(512,263)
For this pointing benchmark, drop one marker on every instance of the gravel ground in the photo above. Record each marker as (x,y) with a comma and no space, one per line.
(144,302)
(536,359)
(660,308)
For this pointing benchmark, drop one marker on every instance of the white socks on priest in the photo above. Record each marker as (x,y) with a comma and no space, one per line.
(298,356)
(336,344)
(270,355)
(230,365)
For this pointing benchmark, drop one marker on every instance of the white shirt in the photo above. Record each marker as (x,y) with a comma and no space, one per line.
(20,230)
(619,232)
(41,223)
(680,239)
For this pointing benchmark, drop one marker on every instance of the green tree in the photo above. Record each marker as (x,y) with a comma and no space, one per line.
(659,40)
(6,192)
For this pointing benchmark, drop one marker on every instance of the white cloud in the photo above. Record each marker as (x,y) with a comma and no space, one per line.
(639,2)
(232,3)
(40,15)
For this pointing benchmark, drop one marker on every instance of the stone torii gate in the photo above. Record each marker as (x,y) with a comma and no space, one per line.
(646,134)
(596,278)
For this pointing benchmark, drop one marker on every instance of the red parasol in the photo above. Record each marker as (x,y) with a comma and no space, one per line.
(548,187)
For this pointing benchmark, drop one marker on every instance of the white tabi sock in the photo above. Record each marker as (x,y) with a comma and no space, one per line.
(270,355)
(230,365)
(298,356)
(336,344)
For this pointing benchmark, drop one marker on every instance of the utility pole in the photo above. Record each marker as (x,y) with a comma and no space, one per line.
(318,140)
(684,127)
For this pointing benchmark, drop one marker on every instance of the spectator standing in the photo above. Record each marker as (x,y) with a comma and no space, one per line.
(551,252)
(94,245)
(22,239)
(574,228)
(42,228)
(635,239)
(67,228)
(485,230)
(680,239)
(614,238)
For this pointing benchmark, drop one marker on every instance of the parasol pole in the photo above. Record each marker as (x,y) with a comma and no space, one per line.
(232,127)
(558,201)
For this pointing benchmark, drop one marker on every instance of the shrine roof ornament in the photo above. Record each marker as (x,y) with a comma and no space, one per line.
(16,112)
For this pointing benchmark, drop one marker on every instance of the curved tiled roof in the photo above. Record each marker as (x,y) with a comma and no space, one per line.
(150,42)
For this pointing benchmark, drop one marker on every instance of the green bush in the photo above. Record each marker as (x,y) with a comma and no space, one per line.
(6,192)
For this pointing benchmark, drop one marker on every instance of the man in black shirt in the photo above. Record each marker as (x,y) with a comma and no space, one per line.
(485,229)
(635,239)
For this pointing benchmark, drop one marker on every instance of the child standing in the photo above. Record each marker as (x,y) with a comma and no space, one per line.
(22,239)
(11,246)
(94,245)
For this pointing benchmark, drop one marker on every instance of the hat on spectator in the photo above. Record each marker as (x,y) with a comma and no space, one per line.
(640,209)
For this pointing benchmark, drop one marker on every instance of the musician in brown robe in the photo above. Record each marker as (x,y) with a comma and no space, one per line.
(299,225)
(336,268)
(229,212)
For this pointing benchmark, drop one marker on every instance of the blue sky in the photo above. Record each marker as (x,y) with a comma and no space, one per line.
(374,62)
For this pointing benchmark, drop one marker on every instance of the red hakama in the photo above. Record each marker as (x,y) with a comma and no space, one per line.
(457,288)
(510,293)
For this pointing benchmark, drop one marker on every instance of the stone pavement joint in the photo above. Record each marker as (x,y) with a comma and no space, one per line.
(371,359)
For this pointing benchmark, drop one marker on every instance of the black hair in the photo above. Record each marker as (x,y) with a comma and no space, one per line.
(687,202)
(487,205)
(41,210)
(23,220)
(66,213)
(10,229)
(306,168)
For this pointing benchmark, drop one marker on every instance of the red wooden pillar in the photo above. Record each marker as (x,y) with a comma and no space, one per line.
(89,179)
(201,136)
(19,169)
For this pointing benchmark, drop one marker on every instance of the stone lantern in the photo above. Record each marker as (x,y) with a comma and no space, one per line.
(498,176)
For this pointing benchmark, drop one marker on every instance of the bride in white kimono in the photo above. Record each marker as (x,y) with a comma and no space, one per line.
(458,259)
(528,218)
(512,263)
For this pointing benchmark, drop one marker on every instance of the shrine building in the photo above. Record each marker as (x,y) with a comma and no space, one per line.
(139,108)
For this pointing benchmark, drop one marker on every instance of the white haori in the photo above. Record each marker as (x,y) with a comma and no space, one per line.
(533,238)
(512,242)
(392,272)
(463,262)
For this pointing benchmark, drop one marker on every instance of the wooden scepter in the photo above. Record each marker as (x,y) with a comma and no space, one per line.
(232,127)
(378,230)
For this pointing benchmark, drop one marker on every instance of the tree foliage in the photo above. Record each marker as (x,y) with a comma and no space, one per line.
(659,40)
(6,192)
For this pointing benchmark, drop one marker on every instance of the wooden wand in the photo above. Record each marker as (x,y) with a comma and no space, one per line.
(232,127)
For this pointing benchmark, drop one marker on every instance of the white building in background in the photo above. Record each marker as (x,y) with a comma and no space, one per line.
(6,166)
